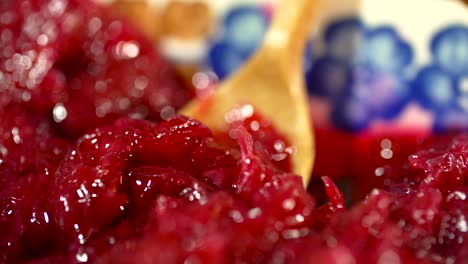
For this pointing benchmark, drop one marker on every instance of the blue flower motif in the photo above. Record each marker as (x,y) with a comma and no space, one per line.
(449,49)
(344,39)
(435,88)
(385,51)
(242,30)
(244,27)
(442,86)
(224,59)
(361,71)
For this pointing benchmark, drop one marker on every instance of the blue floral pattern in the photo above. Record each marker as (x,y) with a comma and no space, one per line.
(365,73)
(242,31)
(442,86)
(360,73)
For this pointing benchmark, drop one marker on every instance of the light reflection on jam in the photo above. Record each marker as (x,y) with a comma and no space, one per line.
(84,179)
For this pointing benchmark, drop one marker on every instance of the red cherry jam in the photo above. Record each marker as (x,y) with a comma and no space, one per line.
(79,64)
(95,167)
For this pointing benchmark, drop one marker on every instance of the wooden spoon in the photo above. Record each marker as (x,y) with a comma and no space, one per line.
(272,82)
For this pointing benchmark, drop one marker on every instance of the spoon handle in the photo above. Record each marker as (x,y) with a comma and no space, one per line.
(291,25)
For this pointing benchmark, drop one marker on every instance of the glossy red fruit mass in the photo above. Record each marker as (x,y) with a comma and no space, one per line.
(80,64)
(84,179)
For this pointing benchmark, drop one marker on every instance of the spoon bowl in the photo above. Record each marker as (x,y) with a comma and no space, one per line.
(272,82)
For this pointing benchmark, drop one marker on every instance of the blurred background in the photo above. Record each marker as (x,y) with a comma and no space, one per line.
(358,49)
(382,76)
